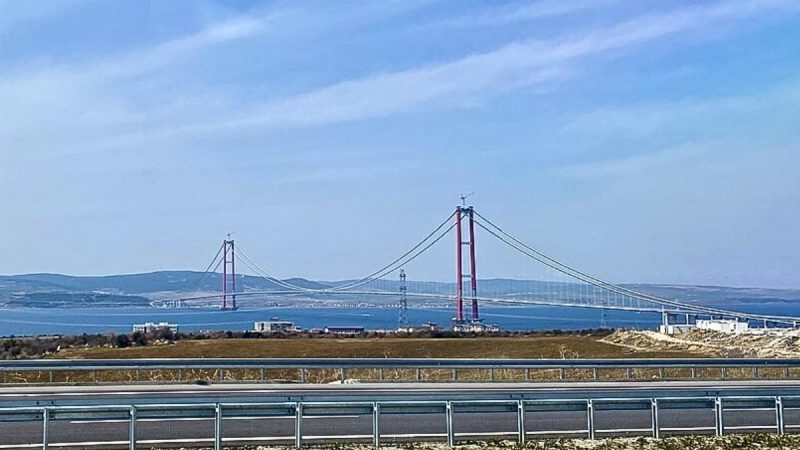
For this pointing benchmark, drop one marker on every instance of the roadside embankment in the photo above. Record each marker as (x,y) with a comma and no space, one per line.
(757,343)
(731,442)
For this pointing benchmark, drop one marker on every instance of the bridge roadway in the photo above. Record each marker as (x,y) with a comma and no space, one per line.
(107,433)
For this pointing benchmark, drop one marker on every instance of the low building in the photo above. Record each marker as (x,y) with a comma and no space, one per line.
(429,326)
(274,326)
(475,327)
(149,327)
(675,328)
(344,330)
(723,325)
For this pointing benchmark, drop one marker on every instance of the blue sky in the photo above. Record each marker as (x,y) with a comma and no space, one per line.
(640,141)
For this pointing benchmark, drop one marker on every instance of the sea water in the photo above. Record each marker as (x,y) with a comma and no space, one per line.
(41,321)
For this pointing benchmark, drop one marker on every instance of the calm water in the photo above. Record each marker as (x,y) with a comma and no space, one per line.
(100,320)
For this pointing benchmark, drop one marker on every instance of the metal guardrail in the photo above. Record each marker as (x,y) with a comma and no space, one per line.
(298,410)
(302,365)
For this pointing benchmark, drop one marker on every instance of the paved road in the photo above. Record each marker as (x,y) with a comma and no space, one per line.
(358,425)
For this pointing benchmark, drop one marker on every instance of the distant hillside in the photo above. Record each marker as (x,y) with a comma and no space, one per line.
(49,290)
(54,290)
(140,283)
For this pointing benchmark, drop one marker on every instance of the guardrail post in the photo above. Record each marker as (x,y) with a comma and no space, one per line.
(654,417)
(590,418)
(786,372)
(138,375)
(527,374)
(561,373)
(263,374)
(491,374)
(376,424)
(180,375)
(628,373)
(694,373)
(303,376)
(724,373)
(298,425)
(50,372)
(221,375)
(594,372)
(132,429)
(455,374)
(755,372)
(419,374)
(719,425)
(45,428)
(217,427)
(521,421)
(451,440)
(661,373)
(380,374)
(779,423)
(342,373)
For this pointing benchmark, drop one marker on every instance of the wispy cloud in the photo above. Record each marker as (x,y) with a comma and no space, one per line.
(481,75)
(98,96)
(506,14)
(634,163)
(644,119)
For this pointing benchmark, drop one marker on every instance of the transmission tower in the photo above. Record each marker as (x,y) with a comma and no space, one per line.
(228,277)
(402,318)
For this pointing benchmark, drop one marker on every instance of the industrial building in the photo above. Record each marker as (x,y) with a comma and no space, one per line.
(344,330)
(274,326)
(151,326)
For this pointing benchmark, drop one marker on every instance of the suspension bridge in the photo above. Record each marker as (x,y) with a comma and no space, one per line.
(550,283)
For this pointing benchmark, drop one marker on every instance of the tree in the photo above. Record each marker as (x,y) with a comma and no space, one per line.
(123,341)
(139,338)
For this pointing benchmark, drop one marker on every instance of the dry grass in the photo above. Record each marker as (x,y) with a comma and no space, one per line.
(571,346)
(730,442)
(531,347)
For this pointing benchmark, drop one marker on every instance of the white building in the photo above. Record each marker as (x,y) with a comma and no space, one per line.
(475,327)
(675,328)
(151,326)
(273,326)
(723,326)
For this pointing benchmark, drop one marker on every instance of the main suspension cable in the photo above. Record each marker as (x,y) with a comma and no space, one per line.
(576,274)
(394,264)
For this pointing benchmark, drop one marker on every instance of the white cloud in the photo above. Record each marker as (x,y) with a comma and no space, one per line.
(506,14)
(482,75)
(640,120)
(634,163)
(127,99)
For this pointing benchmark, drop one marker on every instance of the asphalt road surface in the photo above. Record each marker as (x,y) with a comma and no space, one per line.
(77,432)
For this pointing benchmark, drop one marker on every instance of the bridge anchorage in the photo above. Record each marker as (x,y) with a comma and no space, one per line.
(546,282)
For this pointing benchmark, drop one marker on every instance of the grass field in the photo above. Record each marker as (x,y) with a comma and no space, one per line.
(565,346)
(568,346)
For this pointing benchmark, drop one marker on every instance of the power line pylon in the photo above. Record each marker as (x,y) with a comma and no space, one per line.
(228,276)
(402,318)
